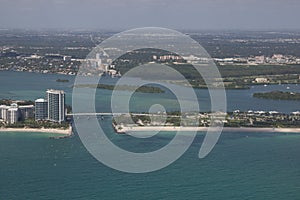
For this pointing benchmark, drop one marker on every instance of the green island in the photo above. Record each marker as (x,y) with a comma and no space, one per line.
(62,80)
(142,89)
(278,95)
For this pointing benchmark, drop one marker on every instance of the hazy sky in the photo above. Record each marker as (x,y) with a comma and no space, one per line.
(123,14)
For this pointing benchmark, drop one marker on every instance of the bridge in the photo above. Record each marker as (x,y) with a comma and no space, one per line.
(106,114)
(93,114)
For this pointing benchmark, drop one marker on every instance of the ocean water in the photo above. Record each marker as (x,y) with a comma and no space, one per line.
(241,166)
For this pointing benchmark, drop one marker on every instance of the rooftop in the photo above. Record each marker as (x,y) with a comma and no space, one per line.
(52,91)
(40,100)
(26,106)
(13,109)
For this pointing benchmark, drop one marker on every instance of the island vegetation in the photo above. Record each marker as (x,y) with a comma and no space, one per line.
(278,95)
(142,89)
(62,80)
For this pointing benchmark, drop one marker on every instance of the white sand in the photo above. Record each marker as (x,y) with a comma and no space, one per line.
(204,129)
(40,130)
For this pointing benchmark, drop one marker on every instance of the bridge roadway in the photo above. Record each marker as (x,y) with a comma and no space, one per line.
(105,114)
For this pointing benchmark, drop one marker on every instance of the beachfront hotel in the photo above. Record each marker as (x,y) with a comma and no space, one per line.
(41,109)
(14,113)
(56,105)
(3,112)
(51,109)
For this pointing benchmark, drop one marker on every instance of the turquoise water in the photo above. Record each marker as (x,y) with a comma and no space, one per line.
(241,166)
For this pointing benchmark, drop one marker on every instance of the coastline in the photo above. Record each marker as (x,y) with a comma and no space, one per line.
(67,132)
(123,130)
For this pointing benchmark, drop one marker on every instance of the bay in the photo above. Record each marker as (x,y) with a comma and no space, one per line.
(241,166)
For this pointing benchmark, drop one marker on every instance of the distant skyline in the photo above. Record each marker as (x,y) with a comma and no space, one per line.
(176,14)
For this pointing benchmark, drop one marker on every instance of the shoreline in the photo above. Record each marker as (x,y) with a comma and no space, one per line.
(204,129)
(67,132)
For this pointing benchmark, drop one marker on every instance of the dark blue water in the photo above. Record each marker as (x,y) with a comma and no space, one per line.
(241,166)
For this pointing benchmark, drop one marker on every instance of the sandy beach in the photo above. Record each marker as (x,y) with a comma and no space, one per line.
(204,129)
(40,130)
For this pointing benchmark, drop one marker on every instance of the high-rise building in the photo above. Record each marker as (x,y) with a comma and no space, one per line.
(41,109)
(26,111)
(3,112)
(13,115)
(56,105)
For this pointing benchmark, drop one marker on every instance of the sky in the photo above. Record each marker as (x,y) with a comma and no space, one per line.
(176,14)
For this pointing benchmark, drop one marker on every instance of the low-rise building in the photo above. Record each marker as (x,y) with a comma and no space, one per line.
(14,113)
